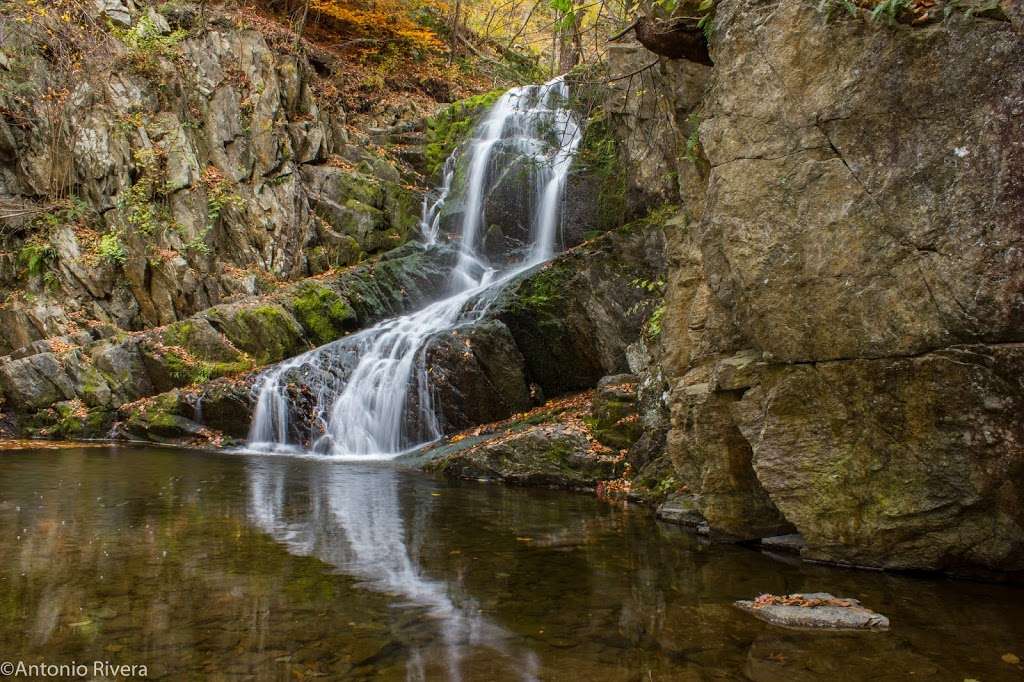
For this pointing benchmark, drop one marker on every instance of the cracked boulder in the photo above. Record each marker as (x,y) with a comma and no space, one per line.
(845,315)
(866,194)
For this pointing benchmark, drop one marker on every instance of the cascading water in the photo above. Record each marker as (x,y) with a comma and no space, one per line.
(365,385)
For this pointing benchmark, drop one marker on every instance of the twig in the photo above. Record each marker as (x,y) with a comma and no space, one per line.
(634,73)
(623,31)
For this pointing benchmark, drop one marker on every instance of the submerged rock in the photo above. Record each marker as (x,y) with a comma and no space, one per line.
(814,610)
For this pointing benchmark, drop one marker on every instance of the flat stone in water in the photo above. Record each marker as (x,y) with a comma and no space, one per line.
(826,616)
(794,542)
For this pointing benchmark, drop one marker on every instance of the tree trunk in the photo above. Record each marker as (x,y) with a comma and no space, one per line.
(453,39)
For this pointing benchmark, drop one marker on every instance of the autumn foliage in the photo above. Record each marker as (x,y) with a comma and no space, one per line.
(381,21)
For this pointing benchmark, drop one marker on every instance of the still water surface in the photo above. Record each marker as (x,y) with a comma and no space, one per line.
(231,567)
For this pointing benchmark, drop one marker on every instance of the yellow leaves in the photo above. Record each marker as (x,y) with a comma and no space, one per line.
(1012,659)
(385,22)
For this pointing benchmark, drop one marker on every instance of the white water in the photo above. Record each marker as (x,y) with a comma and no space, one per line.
(350,518)
(371,391)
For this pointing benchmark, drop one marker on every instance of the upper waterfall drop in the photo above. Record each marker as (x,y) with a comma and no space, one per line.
(371,391)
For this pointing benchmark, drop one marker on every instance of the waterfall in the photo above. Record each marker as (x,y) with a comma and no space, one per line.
(369,394)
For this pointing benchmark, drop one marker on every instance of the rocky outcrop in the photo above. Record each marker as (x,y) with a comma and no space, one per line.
(550,446)
(112,374)
(573,318)
(842,320)
(184,162)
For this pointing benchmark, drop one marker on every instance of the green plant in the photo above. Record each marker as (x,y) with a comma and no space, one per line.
(37,257)
(652,330)
(889,9)
(707,18)
(146,44)
(111,249)
(449,128)
(652,286)
(220,194)
(666,486)
(830,7)
(141,205)
(199,245)
(693,140)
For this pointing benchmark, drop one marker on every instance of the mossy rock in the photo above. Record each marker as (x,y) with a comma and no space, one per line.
(449,128)
(267,332)
(70,420)
(322,313)
(161,418)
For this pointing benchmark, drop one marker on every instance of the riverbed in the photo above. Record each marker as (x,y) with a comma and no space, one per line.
(228,566)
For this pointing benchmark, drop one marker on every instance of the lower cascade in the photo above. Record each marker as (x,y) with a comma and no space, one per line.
(370,392)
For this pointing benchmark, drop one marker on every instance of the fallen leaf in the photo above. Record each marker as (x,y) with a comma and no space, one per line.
(1012,659)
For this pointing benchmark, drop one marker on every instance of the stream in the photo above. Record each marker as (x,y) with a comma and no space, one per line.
(226,566)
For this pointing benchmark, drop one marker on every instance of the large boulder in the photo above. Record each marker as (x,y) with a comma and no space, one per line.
(844,306)
(866,194)
(907,463)
(477,375)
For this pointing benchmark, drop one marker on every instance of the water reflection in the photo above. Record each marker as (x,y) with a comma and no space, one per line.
(352,517)
(214,567)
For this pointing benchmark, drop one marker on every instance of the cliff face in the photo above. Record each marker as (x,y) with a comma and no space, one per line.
(178,160)
(843,327)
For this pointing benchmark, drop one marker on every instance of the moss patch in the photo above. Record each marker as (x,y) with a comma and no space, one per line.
(322,313)
(449,128)
(598,157)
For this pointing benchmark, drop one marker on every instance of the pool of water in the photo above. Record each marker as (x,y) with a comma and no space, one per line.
(219,566)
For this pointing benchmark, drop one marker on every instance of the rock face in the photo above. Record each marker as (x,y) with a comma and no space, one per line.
(190,162)
(843,318)
(573,318)
(908,234)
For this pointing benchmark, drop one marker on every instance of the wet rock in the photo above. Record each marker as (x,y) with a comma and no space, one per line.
(682,509)
(616,419)
(573,318)
(549,456)
(477,375)
(224,340)
(793,542)
(823,611)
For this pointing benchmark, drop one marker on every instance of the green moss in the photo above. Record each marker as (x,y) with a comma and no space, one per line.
(179,333)
(157,417)
(545,291)
(267,332)
(598,157)
(65,420)
(449,128)
(322,313)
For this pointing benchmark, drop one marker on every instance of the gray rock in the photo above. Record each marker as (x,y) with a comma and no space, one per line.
(821,616)
(116,11)
(792,542)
